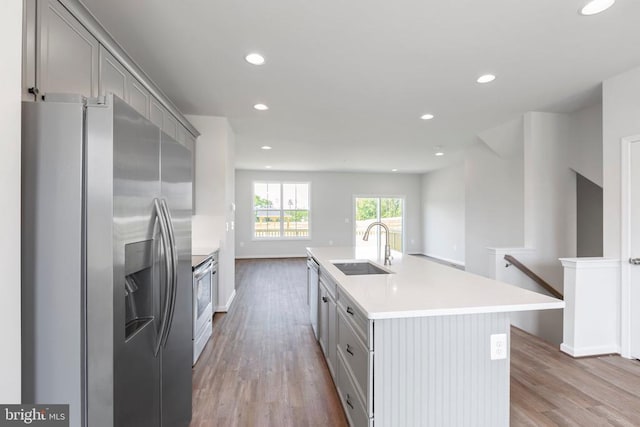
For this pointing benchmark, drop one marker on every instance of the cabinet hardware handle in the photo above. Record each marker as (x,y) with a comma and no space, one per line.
(34,91)
(634,261)
(349,401)
(324,299)
(349,350)
(350,310)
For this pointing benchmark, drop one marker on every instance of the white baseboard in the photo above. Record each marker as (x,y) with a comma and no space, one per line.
(589,351)
(227,306)
(270,256)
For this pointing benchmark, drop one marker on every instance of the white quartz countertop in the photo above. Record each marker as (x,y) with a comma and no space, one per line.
(419,287)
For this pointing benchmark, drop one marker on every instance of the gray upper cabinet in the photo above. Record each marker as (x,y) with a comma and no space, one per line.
(28,49)
(170,125)
(138,96)
(185,138)
(156,112)
(113,76)
(67,58)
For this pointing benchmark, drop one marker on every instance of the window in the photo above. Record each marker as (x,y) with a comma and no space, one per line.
(281,210)
(388,210)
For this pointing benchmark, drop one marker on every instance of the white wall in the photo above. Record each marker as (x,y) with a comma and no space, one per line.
(494,202)
(331,209)
(214,218)
(443,220)
(585,140)
(521,192)
(552,222)
(10,87)
(621,118)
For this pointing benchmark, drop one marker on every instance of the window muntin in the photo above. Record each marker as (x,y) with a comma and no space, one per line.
(281,210)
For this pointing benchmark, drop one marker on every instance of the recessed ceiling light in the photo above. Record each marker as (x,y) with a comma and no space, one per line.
(486,78)
(437,151)
(426,116)
(260,107)
(394,170)
(254,58)
(596,6)
(267,167)
(266,147)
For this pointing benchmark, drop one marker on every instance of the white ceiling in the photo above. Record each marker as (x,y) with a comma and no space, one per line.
(346,81)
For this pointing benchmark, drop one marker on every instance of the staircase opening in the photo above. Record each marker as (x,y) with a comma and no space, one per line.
(589,217)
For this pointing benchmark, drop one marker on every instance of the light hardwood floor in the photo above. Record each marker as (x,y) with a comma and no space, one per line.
(263,367)
(550,388)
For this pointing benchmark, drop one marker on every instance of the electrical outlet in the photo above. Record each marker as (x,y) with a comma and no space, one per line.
(499,346)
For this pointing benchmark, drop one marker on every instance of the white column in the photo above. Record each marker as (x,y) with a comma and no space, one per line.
(592,315)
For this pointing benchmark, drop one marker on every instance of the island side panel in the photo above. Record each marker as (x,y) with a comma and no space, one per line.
(437,371)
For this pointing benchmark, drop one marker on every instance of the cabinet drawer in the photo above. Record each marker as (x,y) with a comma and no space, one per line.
(356,356)
(357,318)
(353,406)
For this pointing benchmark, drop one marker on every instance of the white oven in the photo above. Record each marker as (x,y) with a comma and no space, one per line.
(202,304)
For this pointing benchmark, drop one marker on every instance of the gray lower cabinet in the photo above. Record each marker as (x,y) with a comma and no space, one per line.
(67,55)
(415,371)
(327,322)
(355,362)
(343,339)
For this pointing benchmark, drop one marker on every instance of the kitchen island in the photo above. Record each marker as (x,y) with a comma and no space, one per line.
(424,344)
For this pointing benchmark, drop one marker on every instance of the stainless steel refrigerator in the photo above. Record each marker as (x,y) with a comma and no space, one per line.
(106,264)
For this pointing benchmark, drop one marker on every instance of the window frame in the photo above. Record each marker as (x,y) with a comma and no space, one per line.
(282,210)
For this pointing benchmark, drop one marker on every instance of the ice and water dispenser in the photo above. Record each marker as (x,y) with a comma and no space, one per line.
(138,286)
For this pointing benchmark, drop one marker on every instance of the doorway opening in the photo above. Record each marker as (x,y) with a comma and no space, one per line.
(388,210)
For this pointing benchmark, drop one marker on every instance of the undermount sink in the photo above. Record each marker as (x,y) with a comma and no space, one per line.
(356,268)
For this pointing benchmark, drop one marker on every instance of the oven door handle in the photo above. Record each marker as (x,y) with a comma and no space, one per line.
(203,271)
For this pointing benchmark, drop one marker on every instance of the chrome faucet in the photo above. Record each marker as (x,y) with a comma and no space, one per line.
(387,248)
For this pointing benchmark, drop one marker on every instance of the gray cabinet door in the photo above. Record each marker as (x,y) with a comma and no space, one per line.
(170,125)
(332,334)
(190,142)
(113,76)
(28,49)
(67,57)
(138,96)
(156,112)
(323,320)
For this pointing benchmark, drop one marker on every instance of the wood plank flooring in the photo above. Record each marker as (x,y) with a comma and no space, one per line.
(550,388)
(263,367)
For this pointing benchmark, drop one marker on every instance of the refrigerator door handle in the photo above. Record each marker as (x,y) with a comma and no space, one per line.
(174,266)
(168,268)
